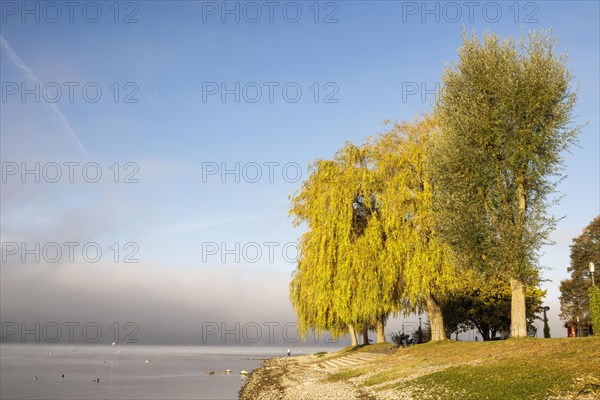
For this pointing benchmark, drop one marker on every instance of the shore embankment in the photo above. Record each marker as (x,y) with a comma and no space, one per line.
(511,369)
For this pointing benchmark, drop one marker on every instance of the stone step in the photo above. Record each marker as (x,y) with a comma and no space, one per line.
(341,362)
(348,361)
(351,360)
(365,359)
(336,364)
(370,355)
(329,364)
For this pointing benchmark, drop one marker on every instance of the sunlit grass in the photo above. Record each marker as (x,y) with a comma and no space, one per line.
(512,369)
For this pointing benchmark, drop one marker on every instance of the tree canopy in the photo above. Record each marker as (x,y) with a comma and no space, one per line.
(341,278)
(484,305)
(369,233)
(574,298)
(452,206)
(505,114)
(405,195)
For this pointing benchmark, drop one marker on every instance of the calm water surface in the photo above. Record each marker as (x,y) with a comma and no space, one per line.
(172,372)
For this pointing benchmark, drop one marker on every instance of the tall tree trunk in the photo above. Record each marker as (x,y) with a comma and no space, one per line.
(352,335)
(518,319)
(436,320)
(365,335)
(380,330)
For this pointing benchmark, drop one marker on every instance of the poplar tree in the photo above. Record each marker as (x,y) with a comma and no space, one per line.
(505,114)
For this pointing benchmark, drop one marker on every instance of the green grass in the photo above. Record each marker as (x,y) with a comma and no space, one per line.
(504,380)
(511,369)
(320,353)
(386,348)
(344,375)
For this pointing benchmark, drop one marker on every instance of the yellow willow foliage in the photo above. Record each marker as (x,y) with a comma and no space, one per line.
(318,205)
(369,248)
(406,199)
(340,278)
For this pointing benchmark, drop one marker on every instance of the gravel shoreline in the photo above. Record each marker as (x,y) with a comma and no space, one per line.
(296,378)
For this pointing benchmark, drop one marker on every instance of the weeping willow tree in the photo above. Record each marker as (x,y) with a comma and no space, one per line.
(505,115)
(370,249)
(341,279)
(311,288)
(405,199)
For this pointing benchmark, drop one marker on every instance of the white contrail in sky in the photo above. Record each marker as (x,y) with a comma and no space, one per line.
(14,57)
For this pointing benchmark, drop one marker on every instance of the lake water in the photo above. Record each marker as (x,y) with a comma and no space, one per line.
(173,372)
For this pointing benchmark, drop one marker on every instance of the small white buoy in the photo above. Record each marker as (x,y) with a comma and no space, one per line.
(147,361)
(114,343)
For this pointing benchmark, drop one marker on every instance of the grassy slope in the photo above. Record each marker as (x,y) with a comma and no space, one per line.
(512,369)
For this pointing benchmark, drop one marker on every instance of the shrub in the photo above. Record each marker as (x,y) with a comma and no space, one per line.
(594,292)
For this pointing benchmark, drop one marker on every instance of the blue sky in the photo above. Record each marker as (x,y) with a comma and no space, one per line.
(166,59)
